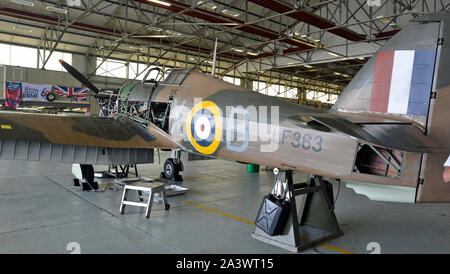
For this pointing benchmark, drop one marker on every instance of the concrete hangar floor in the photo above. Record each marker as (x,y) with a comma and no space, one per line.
(42,212)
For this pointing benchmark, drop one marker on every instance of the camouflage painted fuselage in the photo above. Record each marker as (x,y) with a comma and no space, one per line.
(261,141)
(290,145)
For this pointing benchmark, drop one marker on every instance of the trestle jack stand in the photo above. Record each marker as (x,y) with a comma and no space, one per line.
(113,170)
(312,220)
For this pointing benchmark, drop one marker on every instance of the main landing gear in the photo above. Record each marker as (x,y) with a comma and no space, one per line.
(172,168)
(84,177)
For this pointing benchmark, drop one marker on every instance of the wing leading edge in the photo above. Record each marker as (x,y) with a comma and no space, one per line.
(119,132)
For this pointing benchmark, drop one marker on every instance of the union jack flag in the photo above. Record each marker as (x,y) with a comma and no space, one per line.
(78,94)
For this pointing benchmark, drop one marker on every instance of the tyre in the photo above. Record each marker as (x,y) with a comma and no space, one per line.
(170,169)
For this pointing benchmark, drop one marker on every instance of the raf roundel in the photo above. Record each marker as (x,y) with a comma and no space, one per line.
(204,127)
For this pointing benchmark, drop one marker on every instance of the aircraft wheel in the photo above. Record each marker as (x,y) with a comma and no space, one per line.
(170,169)
(88,173)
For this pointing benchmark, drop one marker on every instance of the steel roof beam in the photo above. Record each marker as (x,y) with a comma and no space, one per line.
(311,19)
(221,19)
(97,29)
(83,15)
(80,45)
(316,20)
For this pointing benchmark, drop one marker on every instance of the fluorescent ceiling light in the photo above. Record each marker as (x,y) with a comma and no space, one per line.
(162,36)
(332,53)
(172,32)
(154,28)
(207,5)
(336,73)
(252,53)
(57,10)
(237,50)
(160,2)
(230,13)
(299,41)
(313,39)
(18,27)
(23,2)
(382,19)
(302,42)
(307,66)
(394,26)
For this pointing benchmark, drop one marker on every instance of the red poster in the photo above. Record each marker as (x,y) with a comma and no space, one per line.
(13,94)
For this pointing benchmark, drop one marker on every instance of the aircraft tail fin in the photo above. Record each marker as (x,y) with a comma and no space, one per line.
(409,78)
(398,79)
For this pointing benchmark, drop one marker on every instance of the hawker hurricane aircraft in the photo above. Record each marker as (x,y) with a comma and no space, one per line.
(387,136)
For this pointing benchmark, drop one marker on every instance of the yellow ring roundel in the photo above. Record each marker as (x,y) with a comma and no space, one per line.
(204,127)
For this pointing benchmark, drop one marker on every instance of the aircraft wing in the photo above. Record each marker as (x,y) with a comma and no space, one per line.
(118,132)
(385,132)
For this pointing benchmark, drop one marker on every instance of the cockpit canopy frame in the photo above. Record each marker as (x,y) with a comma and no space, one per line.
(177,76)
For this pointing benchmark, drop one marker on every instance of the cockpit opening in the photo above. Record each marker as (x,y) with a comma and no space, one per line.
(135,99)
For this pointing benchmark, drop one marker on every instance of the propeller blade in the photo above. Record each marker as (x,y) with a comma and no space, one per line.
(77,75)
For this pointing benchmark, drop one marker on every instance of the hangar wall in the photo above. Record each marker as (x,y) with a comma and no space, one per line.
(38,76)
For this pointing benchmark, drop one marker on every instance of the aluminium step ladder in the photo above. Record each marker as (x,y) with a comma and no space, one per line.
(141,186)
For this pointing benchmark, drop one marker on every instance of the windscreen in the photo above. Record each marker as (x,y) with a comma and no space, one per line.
(177,76)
